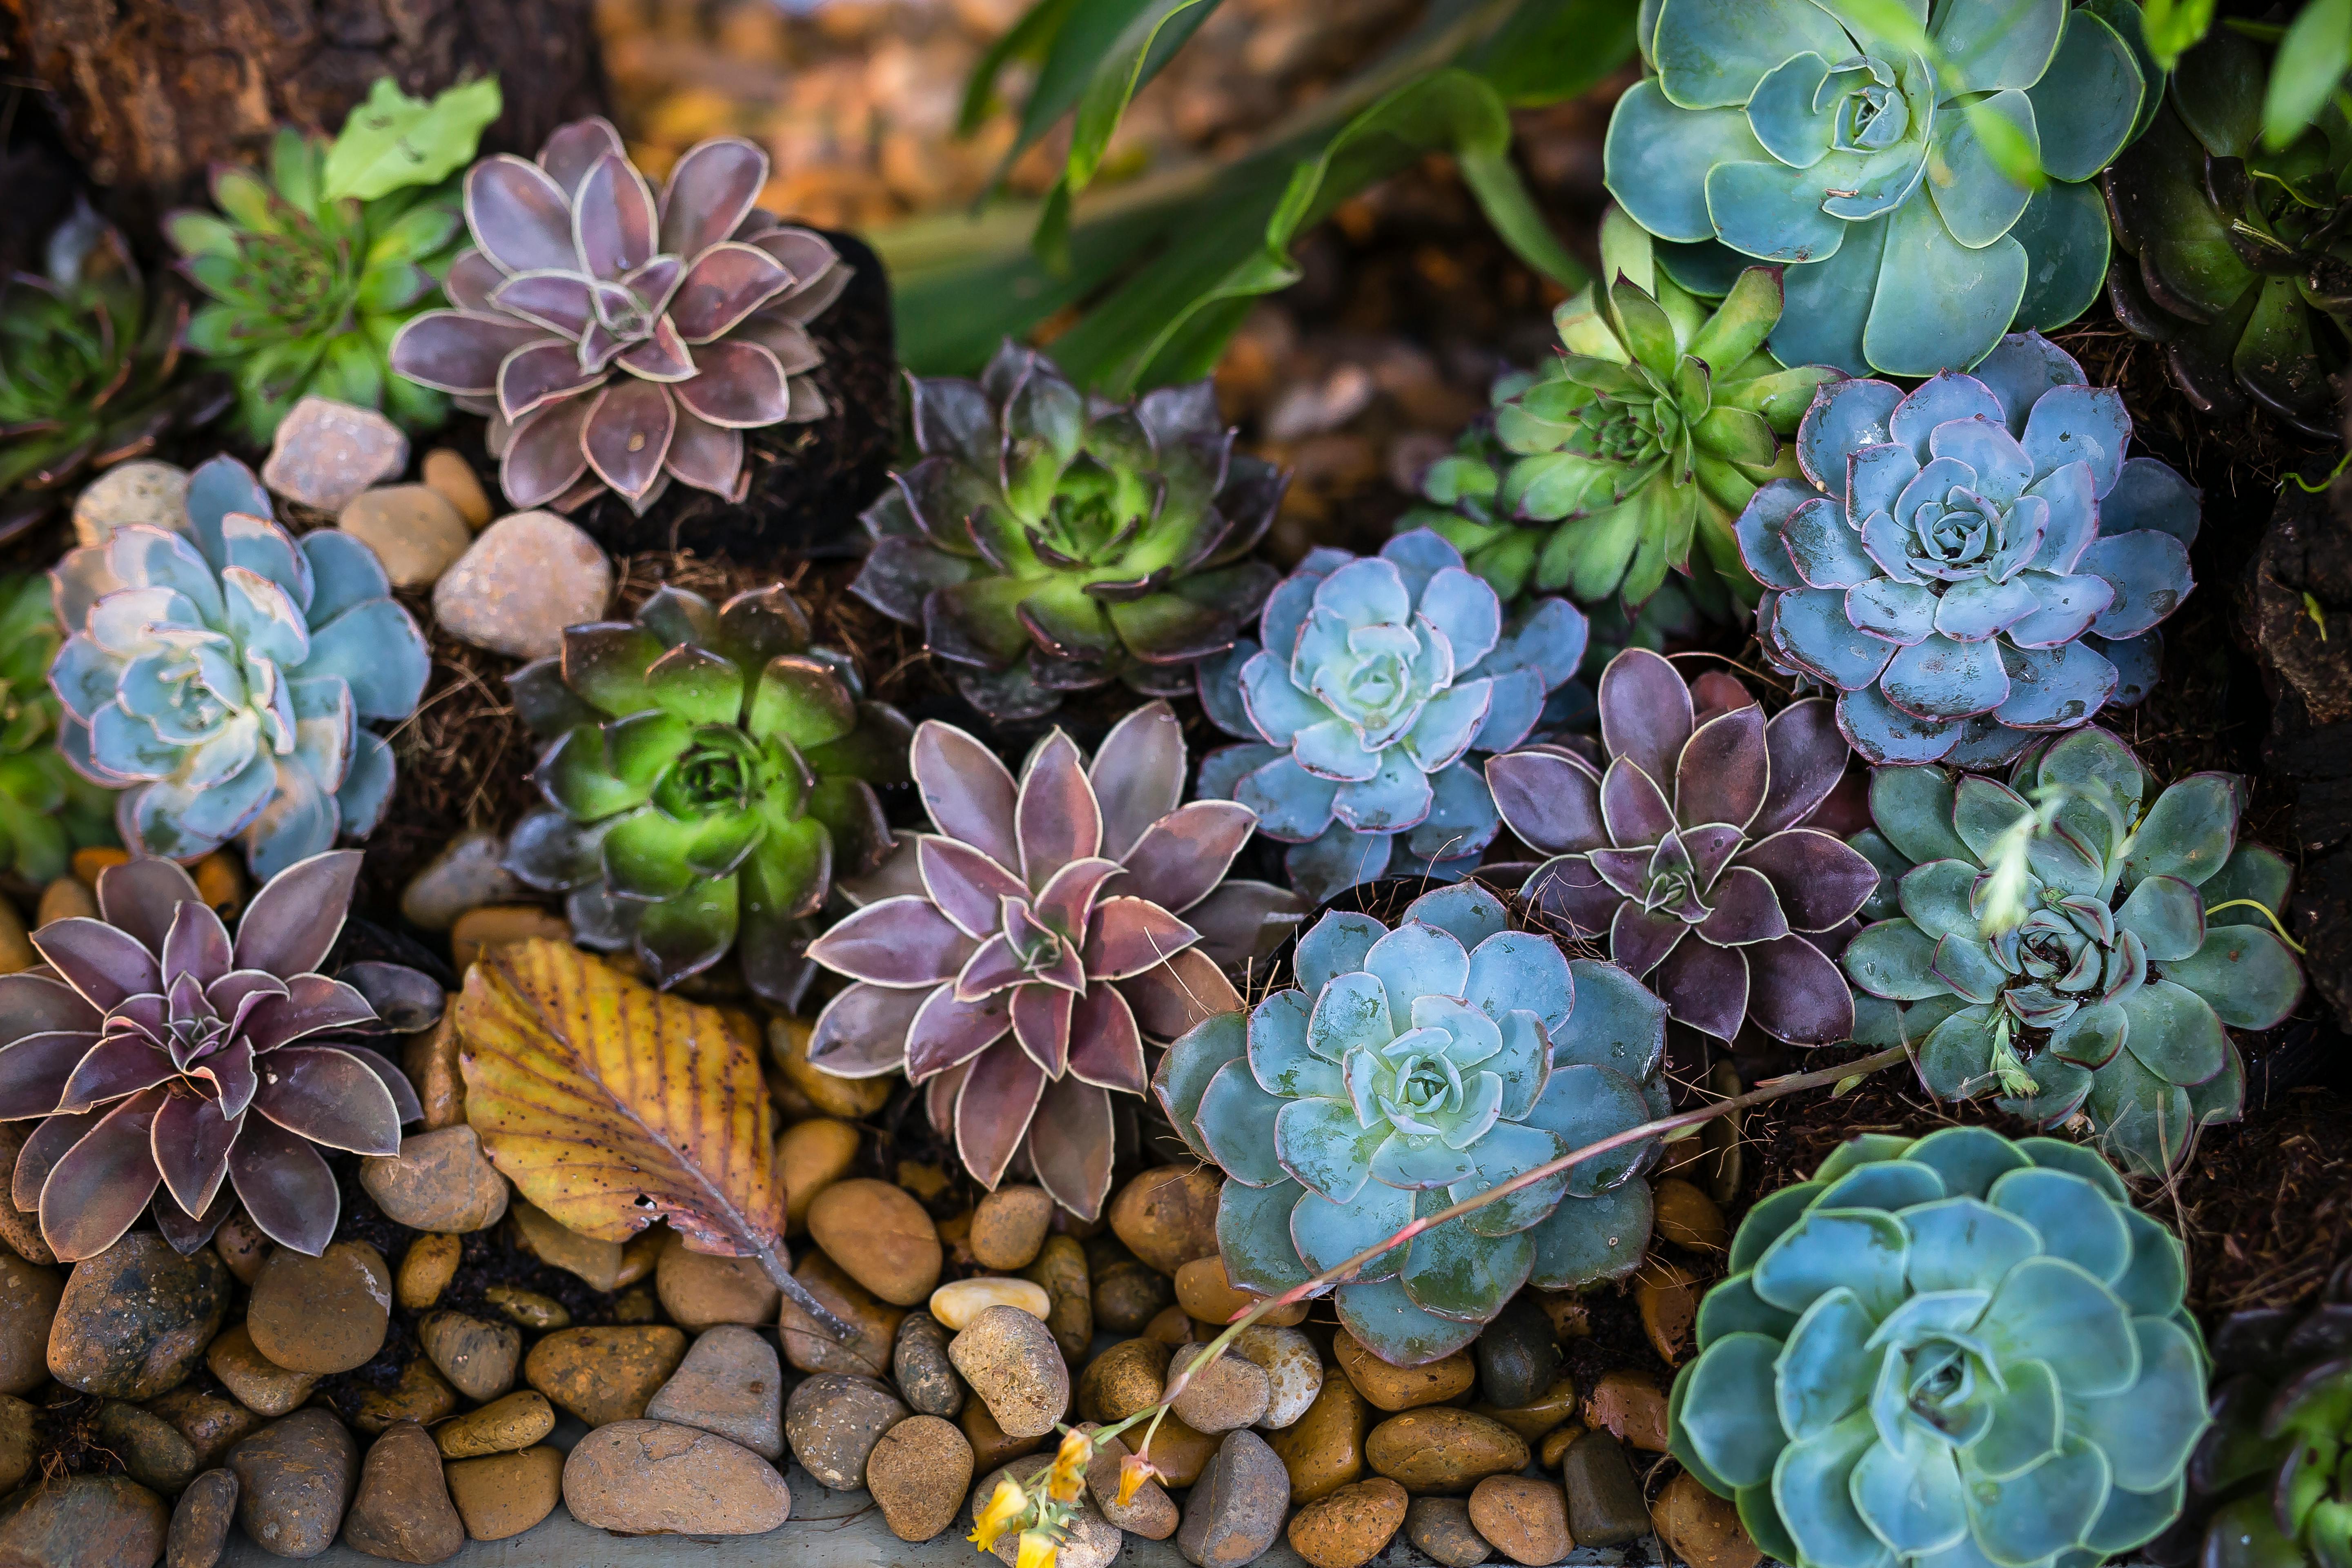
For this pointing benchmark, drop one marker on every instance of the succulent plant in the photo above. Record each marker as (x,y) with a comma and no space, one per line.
(2268,1486)
(223,677)
(708,776)
(89,368)
(1687,855)
(1013,962)
(1958,1349)
(619,340)
(2233,257)
(46,810)
(1883,166)
(165,1061)
(1972,562)
(2076,941)
(1048,543)
(1404,1071)
(1377,677)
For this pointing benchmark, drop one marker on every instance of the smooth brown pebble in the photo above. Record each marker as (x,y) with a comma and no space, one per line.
(1438,1528)
(402,1510)
(477,1356)
(605,1265)
(991,1446)
(200,1522)
(731,1384)
(151,1450)
(699,1291)
(529,1309)
(413,529)
(874,1324)
(1700,1528)
(603,1376)
(29,1304)
(1442,1449)
(1151,1512)
(294,1479)
(811,1156)
(259,1383)
(1524,1519)
(20,1440)
(506,1424)
(833,1421)
(880,1236)
(321,1314)
(503,1495)
(1532,1420)
(919,1366)
(425,1271)
(83,1521)
(1009,1227)
(1347,1528)
(1168,1217)
(1396,1388)
(1236,1508)
(1324,1449)
(1667,1296)
(419,1395)
(1221,1394)
(440,1180)
(1205,1292)
(956,1303)
(1178,1452)
(430,1059)
(497,925)
(1687,1216)
(1128,1294)
(67,899)
(1555,1442)
(212,1425)
(454,480)
(1131,1376)
(917,1474)
(1628,1403)
(1605,1507)
(1060,1267)
(636,1477)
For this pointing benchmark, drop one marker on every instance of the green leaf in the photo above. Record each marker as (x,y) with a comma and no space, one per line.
(1026,43)
(1548,50)
(1094,48)
(2311,60)
(2172,26)
(394,141)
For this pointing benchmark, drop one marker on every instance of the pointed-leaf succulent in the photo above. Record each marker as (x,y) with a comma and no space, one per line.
(1971,563)
(223,677)
(1404,1071)
(1015,961)
(2076,942)
(1049,543)
(709,775)
(1957,1349)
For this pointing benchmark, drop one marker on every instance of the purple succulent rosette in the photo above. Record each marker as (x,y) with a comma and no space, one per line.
(618,340)
(1015,961)
(1374,681)
(1973,562)
(1688,853)
(166,1061)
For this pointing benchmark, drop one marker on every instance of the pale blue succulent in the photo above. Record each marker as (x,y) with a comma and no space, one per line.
(221,678)
(1878,151)
(1973,562)
(1408,1070)
(1955,1352)
(1375,679)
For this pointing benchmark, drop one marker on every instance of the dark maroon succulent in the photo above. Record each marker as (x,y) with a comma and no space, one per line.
(1690,853)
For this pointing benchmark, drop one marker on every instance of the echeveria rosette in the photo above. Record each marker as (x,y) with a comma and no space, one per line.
(1015,961)
(619,339)
(47,809)
(1957,1350)
(708,776)
(1789,130)
(1687,854)
(1405,1072)
(223,677)
(2112,993)
(165,1060)
(1373,681)
(1049,543)
(1972,562)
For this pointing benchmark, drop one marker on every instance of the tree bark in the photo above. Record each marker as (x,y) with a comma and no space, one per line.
(148,93)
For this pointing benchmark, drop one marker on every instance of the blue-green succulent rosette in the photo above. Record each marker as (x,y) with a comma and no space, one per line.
(1408,1070)
(1798,132)
(1972,562)
(1373,680)
(1958,1352)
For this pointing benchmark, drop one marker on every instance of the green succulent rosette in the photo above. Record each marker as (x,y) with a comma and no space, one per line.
(46,810)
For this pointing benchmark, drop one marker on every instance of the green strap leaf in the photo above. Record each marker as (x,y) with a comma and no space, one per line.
(1027,42)
(2311,60)
(393,140)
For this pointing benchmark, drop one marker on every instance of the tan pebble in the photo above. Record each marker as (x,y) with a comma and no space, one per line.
(917,1474)
(212,1425)
(1700,1528)
(1402,1387)
(259,1383)
(1349,1527)
(495,925)
(1555,1444)
(321,1314)
(927,1179)
(700,1290)
(1130,1376)
(430,1060)
(882,1238)
(513,1421)
(1570,1317)
(601,1263)
(1293,1371)
(958,1302)
(221,883)
(1218,1394)
(16,954)
(1061,1270)
(1127,1295)
(453,479)
(1174,1326)
(1667,1295)
(1526,1520)
(1177,1452)
(991,1446)
(425,1271)
(603,1376)
(477,1355)
(440,1181)
(1149,1513)
(1441,1449)
(503,1495)
(638,1477)
(67,897)
(810,1157)
(1168,1217)
(1009,1227)
(809,1348)
(847,1098)
(1547,1411)
(1628,1403)
(529,1309)
(1010,1360)
(92,860)
(526,577)
(1203,1290)
(420,1395)
(1324,1449)
(413,529)
(1688,1218)
(242,1246)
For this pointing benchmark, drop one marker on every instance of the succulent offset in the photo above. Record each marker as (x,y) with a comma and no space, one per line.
(2233,257)
(619,340)
(165,1059)
(1971,563)
(223,677)
(2076,942)
(1404,1071)
(1958,1349)
(1048,542)
(707,777)
(46,810)
(1883,167)
(1015,961)
(1372,682)
(1687,854)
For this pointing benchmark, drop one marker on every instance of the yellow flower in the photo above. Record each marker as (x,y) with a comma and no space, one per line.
(1036,1551)
(1133,1471)
(1066,1481)
(1003,1511)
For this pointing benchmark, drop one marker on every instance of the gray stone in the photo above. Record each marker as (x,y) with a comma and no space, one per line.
(527,577)
(29,1304)
(294,1480)
(402,1509)
(1235,1509)
(1226,1393)
(637,1476)
(833,1420)
(1517,1357)
(152,1449)
(145,491)
(20,1441)
(133,1319)
(200,1522)
(83,1521)
(1605,1507)
(465,875)
(1438,1528)
(919,1366)
(326,452)
(731,1383)
(413,530)
(440,1181)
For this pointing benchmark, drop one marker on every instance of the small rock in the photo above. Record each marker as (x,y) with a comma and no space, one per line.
(1628,1403)
(1219,1396)
(728,1384)
(810,1157)
(1127,1295)
(1293,1371)
(413,530)
(526,578)
(1524,1519)
(1151,1512)
(430,1060)
(1571,1318)
(16,955)
(1175,1327)
(1180,1455)
(133,1321)
(917,1474)
(418,1394)
(956,1303)
(478,1357)
(1010,1361)
(402,1510)
(1347,1528)
(1438,1528)
(833,1421)
(506,1424)
(1324,1449)
(151,1450)
(529,1309)
(990,1446)
(846,1098)
(294,1480)
(503,1495)
(465,876)
(1093,1542)
(1009,1227)
(1551,1408)
(1554,1446)
(1517,1356)
(439,1180)
(1205,1292)
(260,1385)
(146,491)
(699,1289)
(83,1521)
(603,1376)
(1687,1216)
(1168,1217)
(1236,1508)
(200,1522)
(453,478)
(212,1425)
(243,1247)
(67,897)
(326,452)
(1061,1268)
(921,1367)
(1442,1449)
(425,1271)
(1700,1528)
(605,1265)
(29,1304)
(321,1314)
(19,1441)
(1130,1376)
(20,1230)
(1667,1296)
(636,1305)
(812,1349)
(221,883)
(1402,1387)
(1605,1506)
(642,1476)
(882,1238)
